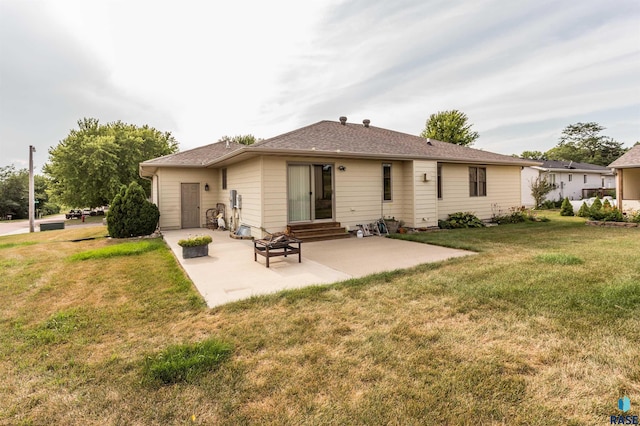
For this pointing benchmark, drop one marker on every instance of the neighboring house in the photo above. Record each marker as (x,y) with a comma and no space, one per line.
(332,172)
(570,179)
(627,168)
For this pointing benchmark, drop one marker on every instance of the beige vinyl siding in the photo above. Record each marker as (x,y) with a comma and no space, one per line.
(408,212)
(169,192)
(425,194)
(503,190)
(244,177)
(629,188)
(274,184)
(359,192)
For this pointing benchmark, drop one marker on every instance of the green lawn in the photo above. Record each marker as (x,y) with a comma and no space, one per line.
(542,327)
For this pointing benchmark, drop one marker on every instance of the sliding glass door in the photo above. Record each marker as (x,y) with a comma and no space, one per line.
(310,192)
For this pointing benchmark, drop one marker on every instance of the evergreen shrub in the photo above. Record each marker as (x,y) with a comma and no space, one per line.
(131,214)
(566,209)
(584,210)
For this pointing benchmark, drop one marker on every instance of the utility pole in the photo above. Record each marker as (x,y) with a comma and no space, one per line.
(32,203)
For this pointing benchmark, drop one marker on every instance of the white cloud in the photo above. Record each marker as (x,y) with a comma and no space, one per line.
(520,70)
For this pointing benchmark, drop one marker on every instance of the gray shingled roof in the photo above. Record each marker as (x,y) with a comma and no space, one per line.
(333,138)
(630,159)
(571,165)
(195,157)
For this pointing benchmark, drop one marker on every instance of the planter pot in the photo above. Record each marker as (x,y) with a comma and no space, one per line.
(196,251)
(392,226)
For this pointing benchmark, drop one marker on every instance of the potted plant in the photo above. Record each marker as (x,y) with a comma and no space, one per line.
(197,246)
(393,224)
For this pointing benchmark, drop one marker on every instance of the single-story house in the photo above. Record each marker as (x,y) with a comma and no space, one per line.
(570,179)
(627,168)
(332,172)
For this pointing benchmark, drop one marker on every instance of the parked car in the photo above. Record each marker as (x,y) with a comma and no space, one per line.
(87,212)
(73,214)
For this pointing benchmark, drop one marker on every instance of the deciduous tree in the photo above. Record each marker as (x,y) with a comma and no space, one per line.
(14,192)
(582,142)
(241,139)
(533,155)
(450,126)
(540,187)
(89,166)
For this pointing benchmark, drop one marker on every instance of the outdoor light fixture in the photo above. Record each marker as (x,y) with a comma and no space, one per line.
(342,168)
(206,186)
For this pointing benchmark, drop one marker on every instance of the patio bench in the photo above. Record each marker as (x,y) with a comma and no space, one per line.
(279,246)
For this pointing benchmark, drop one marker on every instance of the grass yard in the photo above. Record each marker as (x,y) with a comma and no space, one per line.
(541,328)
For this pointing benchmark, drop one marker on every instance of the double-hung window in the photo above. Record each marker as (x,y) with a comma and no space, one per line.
(477,181)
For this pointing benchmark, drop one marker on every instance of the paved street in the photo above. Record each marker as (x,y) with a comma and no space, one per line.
(21,226)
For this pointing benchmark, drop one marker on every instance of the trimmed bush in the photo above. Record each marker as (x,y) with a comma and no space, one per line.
(595,211)
(461,220)
(584,210)
(515,215)
(131,214)
(612,214)
(566,209)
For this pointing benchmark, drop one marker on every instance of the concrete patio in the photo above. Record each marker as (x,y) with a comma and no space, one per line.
(230,273)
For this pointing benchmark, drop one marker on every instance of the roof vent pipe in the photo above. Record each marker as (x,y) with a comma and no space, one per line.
(366,122)
(343,120)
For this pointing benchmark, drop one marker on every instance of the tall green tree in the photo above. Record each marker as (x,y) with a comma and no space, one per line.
(14,192)
(241,139)
(44,205)
(89,166)
(582,142)
(533,155)
(450,126)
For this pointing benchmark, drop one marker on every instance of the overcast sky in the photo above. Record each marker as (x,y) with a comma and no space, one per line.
(521,70)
